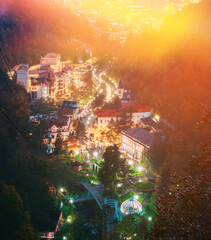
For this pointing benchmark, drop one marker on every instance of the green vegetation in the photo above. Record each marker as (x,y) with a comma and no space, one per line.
(138,174)
(145,186)
(150,207)
(112,166)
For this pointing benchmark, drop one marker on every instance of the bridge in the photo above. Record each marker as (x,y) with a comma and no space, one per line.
(96,191)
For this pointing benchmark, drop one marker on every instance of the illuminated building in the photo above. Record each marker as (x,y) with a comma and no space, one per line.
(135,141)
(104,116)
(131,206)
(21,72)
(138,112)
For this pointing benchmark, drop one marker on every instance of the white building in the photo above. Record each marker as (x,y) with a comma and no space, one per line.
(138,112)
(135,141)
(21,72)
(104,116)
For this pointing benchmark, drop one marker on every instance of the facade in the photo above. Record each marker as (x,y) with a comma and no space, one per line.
(138,112)
(134,142)
(58,124)
(104,116)
(127,96)
(72,105)
(21,72)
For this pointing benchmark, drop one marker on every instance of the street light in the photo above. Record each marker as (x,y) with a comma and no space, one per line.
(136,197)
(150,219)
(140,168)
(61,189)
(64,238)
(130,162)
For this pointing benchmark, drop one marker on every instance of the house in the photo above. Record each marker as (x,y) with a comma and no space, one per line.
(72,105)
(21,72)
(127,96)
(104,116)
(76,166)
(135,141)
(138,112)
(57,124)
(120,89)
(46,222)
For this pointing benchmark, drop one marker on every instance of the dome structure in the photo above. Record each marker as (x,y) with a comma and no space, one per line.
(131,205)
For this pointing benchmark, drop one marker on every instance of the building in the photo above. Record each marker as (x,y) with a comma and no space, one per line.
(138,112)
(20,72)
(136,141)
(53,60)
(73,105)
(58,124)
(104,116)
(46,222)
(127,96)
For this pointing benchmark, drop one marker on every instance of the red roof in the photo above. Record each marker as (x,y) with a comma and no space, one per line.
(137,108)
(107,113)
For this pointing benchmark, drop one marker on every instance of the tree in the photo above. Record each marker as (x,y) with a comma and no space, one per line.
(133,226)
(182,209)
(26,230)
(81,131)
(15,222)
(58,143)
(157,156)
(117,102)
(99,100)
(42,106)
(113,165)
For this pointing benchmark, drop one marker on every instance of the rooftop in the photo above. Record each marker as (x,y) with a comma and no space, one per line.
(150,122)
(22,66)
(106,113)
(52,55)
(131,205)
(121,85)
(59,121)
(137,108)
(141,135)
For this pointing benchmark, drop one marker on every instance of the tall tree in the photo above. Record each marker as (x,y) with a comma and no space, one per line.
(133,226)
(58,143)
(113,165)
(81,131)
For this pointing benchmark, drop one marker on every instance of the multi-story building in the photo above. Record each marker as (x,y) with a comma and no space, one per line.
(21,71)
(136,141)
(138,112)
(104,116)
(58,124)
(53,60)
